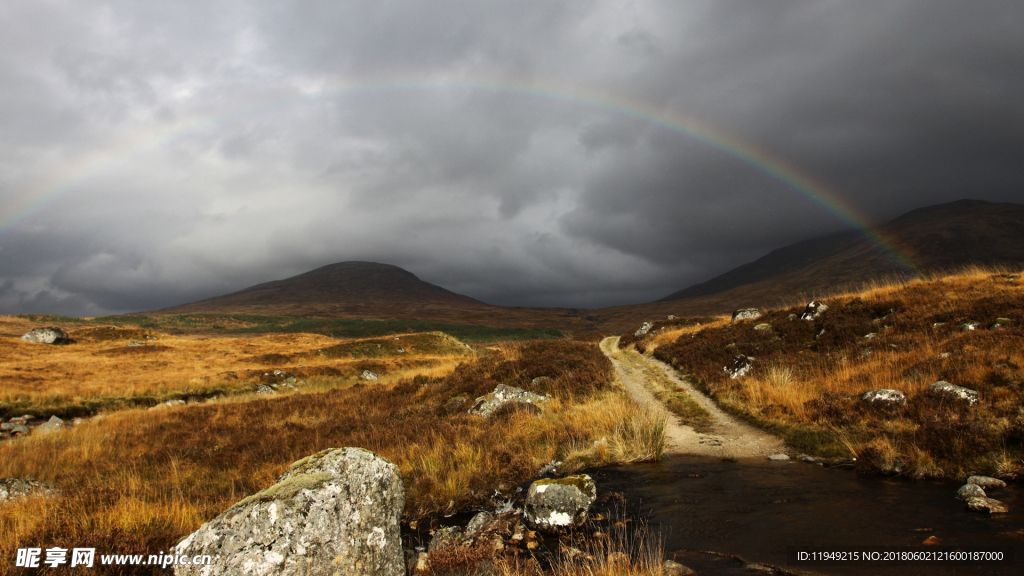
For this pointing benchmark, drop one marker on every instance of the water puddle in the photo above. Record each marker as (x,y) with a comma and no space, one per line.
(754,509)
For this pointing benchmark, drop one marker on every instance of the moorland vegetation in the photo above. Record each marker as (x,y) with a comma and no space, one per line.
(808,376)
(139,480)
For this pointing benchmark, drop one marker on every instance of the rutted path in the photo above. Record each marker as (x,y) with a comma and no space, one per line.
(725,436)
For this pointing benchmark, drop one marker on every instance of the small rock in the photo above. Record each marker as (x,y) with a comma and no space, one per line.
(264,389)
(644,329)
(739,367)
(807,458)
(761,568)
(557,505)
(970,326)
(401,350)
(50,425)
(549,469)
(986,482)
(779,458)
(885,397)
(813,310)
(367,375)
(134,343)
(763,327)
(931,541)
(175,403)
(970,491)
(20,430)
(943,355)
(542,381)
(746,314)
(444,537)
(943,388)
(671,317)
(870,336)
(478,523)
(673,568)
(989,505)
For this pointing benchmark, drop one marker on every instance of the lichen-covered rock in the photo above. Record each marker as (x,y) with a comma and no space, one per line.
(445,537)
(746,314)
(884,397)
(367,375)
(644,329)
(988,505)
(47,335)
(739,366)
(15,488)
(970,491)
(334,513)
(943,388)
(489,403)
(813,310)
(986,482)
(558,505)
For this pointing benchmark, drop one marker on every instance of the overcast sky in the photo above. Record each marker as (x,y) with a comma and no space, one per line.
(523,152)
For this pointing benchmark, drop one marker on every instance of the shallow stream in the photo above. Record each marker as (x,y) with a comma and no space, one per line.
(755,509)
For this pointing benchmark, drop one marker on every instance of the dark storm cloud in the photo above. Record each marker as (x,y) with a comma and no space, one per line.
(199,148)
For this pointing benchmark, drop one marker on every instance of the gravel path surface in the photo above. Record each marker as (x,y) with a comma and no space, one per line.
(725,436)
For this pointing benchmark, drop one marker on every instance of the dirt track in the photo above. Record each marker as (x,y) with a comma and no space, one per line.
(726,437)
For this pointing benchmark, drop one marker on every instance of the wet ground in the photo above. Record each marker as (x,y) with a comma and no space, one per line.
(755,509)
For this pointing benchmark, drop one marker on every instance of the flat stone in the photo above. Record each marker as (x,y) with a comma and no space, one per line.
(779,458)
(959,393)
(986,482)
(989,505)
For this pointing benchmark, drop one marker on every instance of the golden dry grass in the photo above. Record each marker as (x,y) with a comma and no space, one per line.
(100,371)
(809,375)
(136,481)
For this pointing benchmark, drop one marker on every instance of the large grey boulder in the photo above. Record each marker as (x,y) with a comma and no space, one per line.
(14,488)
(746,314)
(47,335)
(489,403)
(333,513)
(959,393)
(558,505)
(884,397)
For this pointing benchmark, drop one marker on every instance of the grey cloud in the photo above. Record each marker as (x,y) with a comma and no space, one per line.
(200,148)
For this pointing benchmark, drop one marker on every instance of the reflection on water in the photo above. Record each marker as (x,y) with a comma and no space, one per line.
(755,509)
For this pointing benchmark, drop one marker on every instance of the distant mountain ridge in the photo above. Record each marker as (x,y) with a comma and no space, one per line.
(933,238)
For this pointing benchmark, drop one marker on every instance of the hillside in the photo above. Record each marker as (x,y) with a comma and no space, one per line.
(373,291)
(935,239)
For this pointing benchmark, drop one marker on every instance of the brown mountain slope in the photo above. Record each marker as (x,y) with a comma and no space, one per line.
(369,290)
(933,239)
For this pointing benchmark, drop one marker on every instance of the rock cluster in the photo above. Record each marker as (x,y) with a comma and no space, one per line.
(15,488)
(502,395)
(30,424)
(977,500)
(644,329)
(47,335)
(335,512)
